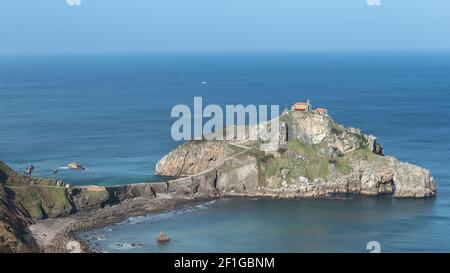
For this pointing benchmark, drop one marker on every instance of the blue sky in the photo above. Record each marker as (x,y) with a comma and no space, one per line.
(30,26)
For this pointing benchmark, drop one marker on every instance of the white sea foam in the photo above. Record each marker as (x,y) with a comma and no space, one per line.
(152,218)
(125,246)
(100,237)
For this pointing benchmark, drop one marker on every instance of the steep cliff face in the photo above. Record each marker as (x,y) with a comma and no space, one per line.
(13,222)
(321,157)
(316,129)
(13,217)
(192,157)
(412,181)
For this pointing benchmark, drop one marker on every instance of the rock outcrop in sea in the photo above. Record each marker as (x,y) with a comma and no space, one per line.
(318,157)
(162,238)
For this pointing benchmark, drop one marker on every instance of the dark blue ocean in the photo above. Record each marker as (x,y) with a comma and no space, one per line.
(111,113)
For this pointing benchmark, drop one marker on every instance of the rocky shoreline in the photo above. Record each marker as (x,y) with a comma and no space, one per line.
(315,158)
(55,235)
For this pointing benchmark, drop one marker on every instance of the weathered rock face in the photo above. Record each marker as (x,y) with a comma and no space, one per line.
(313,129)
(191,158)
(377,179)
(238,175)
(308,129)
(320,157)
(91,197)
(412,181)
(144,190)
(87,198)
(283,134)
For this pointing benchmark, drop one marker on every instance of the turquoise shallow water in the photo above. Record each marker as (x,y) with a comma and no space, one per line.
(112,114)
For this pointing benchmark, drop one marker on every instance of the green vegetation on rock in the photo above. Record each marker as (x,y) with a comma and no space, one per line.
(309,161)
(95,194)
(337,129)
(13,220)
(341,166)
(41,202)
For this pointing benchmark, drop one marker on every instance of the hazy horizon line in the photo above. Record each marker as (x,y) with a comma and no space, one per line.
(224,52)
